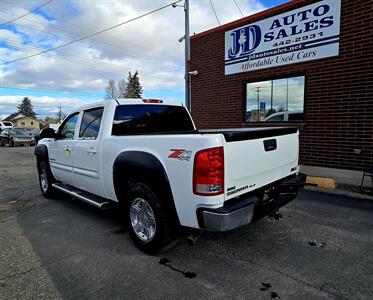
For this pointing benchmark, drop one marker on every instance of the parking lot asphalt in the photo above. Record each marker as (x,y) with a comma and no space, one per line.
(322,248)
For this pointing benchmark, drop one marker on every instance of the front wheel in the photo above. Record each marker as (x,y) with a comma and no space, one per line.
(46,180)
(146,219)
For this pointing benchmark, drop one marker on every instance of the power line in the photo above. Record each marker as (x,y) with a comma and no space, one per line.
(29,12)
(239,8)
(67,57)
(107,46)
(93,63)
(93,34)
(51,91)
(213,9)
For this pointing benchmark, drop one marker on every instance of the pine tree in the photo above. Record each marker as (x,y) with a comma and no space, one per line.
(133,87)
(26,108)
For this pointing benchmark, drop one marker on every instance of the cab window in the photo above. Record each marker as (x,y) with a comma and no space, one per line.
(91,122)
(67,129)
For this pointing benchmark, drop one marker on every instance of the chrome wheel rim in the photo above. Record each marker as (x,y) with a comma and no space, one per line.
(142,219)
(43,181)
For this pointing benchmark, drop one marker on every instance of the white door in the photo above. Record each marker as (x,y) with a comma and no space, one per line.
(86,166)
(61,151)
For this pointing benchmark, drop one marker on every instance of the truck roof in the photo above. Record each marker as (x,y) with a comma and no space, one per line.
(124,101)
(142,101)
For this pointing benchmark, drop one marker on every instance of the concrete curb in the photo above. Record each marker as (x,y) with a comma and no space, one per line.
(338,192)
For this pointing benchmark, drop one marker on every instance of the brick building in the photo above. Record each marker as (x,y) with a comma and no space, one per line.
(321,80)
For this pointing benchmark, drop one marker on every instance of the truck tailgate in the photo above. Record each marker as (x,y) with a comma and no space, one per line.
(257,157)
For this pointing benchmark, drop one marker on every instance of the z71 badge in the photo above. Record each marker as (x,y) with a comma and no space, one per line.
(180,154)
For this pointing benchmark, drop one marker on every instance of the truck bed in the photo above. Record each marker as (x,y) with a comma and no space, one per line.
(240,134)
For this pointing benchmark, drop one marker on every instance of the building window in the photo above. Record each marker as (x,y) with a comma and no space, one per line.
(32,123)
(277,100)
(22,123)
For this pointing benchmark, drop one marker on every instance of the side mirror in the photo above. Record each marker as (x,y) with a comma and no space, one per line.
(48,133)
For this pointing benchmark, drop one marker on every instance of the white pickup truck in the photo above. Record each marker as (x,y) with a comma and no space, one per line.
(165,174)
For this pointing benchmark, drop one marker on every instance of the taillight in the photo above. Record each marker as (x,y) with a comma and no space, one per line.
(208,172)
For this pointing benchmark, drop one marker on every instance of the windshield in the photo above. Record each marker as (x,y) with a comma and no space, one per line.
(19,132)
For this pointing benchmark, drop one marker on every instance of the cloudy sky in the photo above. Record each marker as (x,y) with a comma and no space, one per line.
(78,73)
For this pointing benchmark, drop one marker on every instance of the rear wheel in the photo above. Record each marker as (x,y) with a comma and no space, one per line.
(146,218)
(46,180)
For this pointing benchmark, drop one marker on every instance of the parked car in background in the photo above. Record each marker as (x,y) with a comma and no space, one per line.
(285,116)
(5,124)
(35,134)
(54,126)
(15,136)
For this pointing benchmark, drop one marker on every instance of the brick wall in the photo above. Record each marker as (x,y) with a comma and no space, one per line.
(338,95)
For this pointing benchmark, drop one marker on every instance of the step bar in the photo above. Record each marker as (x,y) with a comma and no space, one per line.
(83,196)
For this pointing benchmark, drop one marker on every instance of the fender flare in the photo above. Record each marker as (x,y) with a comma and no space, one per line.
(147,167)
(41,153)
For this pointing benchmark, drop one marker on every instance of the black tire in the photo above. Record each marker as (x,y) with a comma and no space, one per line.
(144,191)
(45,180)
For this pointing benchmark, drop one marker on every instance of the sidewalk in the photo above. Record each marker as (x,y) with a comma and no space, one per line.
(340,190)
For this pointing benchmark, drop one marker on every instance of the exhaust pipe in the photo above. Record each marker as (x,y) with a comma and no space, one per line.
(275,215)
(193,237)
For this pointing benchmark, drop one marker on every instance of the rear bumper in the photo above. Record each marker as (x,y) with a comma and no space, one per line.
(250,207)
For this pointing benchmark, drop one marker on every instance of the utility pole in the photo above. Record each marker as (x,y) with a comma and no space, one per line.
(187,55)
(186,39)
(59,114)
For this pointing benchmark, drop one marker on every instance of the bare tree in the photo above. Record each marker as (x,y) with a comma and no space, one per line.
(122,88)
(60,115)
(111,90)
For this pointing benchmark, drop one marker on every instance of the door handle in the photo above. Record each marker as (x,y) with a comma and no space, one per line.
(91,151)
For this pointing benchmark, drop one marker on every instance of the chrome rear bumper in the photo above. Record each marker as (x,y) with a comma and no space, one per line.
(216,221)
(249,208)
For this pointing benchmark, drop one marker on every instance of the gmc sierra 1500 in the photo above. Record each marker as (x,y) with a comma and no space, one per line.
(149,157)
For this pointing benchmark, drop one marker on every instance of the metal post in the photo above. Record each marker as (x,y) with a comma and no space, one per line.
(187,55)
(258,92)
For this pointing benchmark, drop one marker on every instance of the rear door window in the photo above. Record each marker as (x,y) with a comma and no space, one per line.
(91,121)
(148,119)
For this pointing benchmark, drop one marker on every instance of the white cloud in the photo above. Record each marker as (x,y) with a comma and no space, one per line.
(9,35)
(43,105)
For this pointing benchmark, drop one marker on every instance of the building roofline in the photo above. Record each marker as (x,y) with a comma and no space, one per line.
(245,20)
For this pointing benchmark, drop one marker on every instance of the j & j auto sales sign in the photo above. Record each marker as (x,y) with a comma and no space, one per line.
(304,34)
